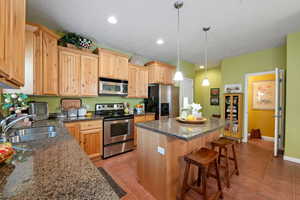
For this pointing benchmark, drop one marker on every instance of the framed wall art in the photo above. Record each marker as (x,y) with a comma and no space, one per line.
(214,96)
(263,95)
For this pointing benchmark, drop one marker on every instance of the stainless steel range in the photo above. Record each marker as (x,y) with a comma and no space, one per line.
(118,129)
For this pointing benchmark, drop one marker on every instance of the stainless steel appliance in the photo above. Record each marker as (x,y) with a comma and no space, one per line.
(163,100)
(113,87)
(39,110)
(118,131)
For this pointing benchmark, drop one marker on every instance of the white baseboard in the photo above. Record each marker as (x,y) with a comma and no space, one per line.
(268,138)
(291,159)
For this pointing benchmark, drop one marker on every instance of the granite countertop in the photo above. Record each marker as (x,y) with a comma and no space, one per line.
(172,127)
(53,168)
(75,119)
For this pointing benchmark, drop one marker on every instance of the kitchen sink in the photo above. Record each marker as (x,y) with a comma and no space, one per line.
(30,134)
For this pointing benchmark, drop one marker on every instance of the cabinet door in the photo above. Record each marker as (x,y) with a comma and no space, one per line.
(121,68)
(4,18)
(169,73)
(17,40)
(142,83)
(89,75)
(132,76)
(107,65)
(150,117)
(50,66)
(69,73)
(74,130)
(91,142)
(38,64)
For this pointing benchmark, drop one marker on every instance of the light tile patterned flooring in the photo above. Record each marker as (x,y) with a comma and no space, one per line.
(262,177)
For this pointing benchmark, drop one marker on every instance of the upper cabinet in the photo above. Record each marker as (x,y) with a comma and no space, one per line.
(160,73)
(49,63)
(137,81)
(78,73)
(113,65)
(12,43)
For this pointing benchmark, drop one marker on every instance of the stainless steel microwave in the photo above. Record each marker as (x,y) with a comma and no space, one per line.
(113,87)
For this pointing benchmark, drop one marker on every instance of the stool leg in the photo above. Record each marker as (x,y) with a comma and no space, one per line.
(235,161)
(185,180)
(220,153)
(227,168)
(218,178)
(199,177)
(204,182)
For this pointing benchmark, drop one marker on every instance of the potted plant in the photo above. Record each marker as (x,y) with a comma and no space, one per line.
(74,40)
(15,103)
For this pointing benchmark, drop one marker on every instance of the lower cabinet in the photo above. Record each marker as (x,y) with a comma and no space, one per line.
(89,135)
(140,119)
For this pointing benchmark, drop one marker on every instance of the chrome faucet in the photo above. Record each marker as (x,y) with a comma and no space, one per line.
(6,127)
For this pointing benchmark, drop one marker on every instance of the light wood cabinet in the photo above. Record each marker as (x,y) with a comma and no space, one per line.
(140,119)
(137,82)
(160,73)
(91,142)
(4,38)
(89,135)
(233,114)
(112,65)
(69,73)
(12,42)
(74,130)
(89,76)
(78,73)
(50,64)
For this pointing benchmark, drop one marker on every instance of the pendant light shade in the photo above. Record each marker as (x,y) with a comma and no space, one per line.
(205,81)
(178,75)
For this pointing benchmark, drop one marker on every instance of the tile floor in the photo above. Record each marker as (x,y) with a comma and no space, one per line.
(262,177)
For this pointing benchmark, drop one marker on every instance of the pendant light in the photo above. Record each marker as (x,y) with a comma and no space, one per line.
(205,81)
(178,75)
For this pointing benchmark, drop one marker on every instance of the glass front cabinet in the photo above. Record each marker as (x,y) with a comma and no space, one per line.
(233,112)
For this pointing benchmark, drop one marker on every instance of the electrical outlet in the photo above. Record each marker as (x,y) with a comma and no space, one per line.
(161,150)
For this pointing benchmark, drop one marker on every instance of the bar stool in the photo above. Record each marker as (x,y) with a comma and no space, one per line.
(225,144)
(203,159)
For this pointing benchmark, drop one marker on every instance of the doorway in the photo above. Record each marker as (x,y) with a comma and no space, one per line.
(186,92)
(264,107)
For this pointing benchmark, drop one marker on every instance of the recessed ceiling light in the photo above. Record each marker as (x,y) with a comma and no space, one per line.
(112,20)
(160,41)
(202,67)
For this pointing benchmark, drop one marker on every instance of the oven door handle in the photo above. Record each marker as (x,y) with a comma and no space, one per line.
(119,119)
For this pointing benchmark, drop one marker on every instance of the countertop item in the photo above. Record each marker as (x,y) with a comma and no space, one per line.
(39,110)
(53,168)
(183,131)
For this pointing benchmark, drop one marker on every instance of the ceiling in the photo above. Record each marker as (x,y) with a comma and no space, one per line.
(238,26)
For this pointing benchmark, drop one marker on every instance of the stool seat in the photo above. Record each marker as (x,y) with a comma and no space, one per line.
(202,157)
(222,142)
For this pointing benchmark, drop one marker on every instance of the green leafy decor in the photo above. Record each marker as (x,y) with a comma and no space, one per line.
(77,40)
(15,102)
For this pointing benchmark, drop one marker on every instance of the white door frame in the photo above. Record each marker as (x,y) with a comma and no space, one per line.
(245,129)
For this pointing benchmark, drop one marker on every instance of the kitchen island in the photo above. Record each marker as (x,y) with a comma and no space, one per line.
(53,168)
(161,145)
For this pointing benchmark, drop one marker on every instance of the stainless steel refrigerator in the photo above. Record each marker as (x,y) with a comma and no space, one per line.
(163,100)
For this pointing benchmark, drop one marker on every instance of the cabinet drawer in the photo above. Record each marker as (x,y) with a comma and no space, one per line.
(150,117)
(87,125)
(140,118)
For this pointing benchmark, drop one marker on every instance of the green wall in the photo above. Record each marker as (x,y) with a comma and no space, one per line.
(54,102)
(188,69)
(292,148)
(234,69)
(202,93)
